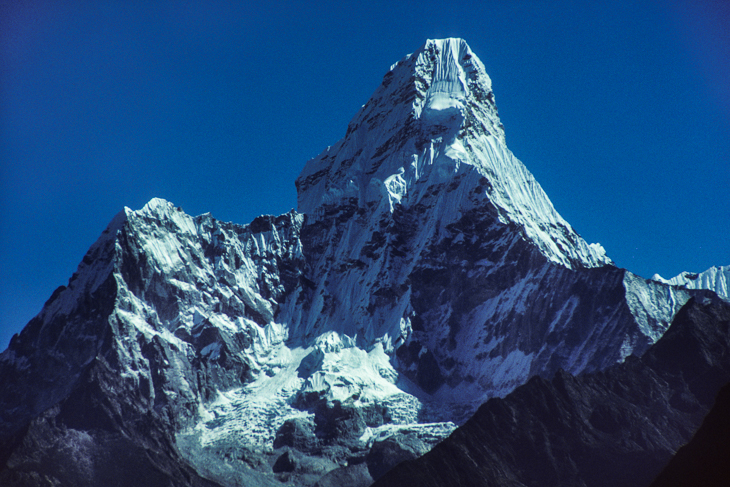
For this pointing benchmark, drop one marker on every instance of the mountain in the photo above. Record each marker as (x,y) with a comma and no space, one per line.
(705,460)
(715,278)
(424,272)
(617,427)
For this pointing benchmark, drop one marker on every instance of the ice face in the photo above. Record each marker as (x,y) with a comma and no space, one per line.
(432,121)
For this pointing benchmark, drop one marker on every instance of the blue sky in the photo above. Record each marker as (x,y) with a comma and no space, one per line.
(620,109)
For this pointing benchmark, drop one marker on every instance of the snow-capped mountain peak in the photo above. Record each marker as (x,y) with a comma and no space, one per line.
(424,96)
(432,128)
(428,273)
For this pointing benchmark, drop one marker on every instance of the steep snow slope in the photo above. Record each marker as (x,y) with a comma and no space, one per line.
(434,121)
(715,279)
(426,272)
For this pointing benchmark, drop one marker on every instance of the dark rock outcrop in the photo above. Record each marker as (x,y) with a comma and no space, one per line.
(98,437)
(388,453)
(705,460)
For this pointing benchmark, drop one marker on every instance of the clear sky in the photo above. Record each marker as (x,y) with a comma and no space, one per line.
(620,109)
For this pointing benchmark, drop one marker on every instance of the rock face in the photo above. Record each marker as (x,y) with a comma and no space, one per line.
(425,272)
(705,460)
(618,427)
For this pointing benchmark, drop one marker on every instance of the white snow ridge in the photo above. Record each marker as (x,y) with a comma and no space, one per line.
(715,279)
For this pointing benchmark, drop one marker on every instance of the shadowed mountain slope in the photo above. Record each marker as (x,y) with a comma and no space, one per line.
(618,427)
